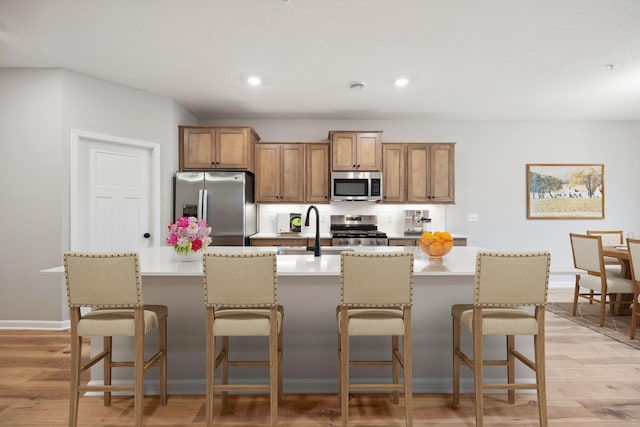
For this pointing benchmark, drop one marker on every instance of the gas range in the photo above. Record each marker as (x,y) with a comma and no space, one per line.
(356,230)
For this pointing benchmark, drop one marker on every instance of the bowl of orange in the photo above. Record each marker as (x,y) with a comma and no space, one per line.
(436,244)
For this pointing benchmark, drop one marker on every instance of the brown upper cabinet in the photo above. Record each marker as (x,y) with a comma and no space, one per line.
(205,148)
(419,173)
(280,173)
(356,151)
(394,161)
(317,173)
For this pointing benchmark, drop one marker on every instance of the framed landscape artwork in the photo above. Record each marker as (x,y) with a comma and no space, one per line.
(565,191)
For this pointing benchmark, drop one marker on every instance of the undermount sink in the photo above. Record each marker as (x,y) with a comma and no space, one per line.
(324,250)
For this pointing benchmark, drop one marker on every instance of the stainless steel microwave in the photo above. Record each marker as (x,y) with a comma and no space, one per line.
(356,186)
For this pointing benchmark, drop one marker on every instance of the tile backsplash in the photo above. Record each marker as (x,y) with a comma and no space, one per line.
(390,217)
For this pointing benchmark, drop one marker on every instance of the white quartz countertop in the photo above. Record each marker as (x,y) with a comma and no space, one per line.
(160,261)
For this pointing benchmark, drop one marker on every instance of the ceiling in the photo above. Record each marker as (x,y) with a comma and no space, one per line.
(466,59)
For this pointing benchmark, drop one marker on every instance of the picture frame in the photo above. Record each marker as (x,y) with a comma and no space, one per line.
(565,191)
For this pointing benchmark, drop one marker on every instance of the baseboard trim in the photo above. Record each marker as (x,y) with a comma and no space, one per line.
(37,325)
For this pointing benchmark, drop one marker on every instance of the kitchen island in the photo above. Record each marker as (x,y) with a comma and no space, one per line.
(309,290)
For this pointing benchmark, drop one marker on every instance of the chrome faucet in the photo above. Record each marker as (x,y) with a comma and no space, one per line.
(316,248)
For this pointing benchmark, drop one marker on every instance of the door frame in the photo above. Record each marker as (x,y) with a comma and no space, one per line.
(79,137)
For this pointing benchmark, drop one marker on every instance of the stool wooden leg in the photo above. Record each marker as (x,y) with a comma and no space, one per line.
(477,365)
(407,370)
(344,366)
(106,367)
(280,371)
(138,365)
(273,365)
(76,354)
(162,331)
(511,368)
(538,343)
(210,368)
(339,365)
(395,367)
(224,367)
(456,362)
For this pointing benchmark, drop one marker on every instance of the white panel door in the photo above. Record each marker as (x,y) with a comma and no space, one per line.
(118,198)
(114,194)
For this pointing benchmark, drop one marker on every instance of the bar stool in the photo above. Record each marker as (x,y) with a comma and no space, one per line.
(503,283)
(375,300)
(110,283)
(241,299)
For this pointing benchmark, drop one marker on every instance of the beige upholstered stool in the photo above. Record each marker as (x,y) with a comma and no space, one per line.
(240,292)
(503,283)
(110,283)
(376,297)
(599,281)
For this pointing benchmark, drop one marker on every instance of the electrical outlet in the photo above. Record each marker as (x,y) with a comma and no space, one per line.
(473,217)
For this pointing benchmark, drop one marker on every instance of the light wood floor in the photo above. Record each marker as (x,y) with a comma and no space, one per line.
(592,381)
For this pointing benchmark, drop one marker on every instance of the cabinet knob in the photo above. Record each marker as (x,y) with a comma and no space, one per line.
(353,166)
(146,235)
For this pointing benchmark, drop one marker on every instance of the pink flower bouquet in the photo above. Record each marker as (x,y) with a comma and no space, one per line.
(189,234)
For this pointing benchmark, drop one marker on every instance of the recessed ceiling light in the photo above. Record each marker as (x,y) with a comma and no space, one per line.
(254,81)
(358,85)
(401,82)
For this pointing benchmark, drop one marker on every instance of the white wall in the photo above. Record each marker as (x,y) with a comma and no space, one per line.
(491,158)
(38,110)
(32,182)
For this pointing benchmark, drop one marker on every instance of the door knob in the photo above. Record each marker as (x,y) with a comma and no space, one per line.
(146,235)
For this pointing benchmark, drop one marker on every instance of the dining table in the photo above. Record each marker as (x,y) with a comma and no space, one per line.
(621,253)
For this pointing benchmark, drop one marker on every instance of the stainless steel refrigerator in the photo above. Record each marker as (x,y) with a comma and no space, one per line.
(224,199)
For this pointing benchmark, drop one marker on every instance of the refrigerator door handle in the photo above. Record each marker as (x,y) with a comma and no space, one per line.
(202,204)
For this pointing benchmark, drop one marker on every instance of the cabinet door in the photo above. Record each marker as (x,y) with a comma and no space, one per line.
(232,148)
(267,173)
(279,242)
(317,173)
(402,242)
(442,183)
(430,173)
(343,148)
(291,173)
(197,148)
(394,172)
(368,152)
(418,172)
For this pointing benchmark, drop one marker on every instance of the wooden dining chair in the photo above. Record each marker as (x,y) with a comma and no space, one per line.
(110,284)
(241,299)
(504,283)
(599,281)
(634,265)
(609,238)
(376,298)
